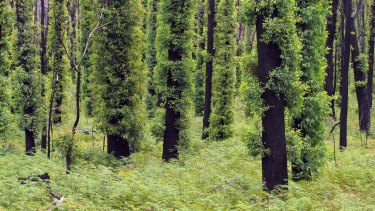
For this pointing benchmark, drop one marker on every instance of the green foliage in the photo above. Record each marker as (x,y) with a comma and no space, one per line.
(250,89)
(151,25)
(6,23)
(120,74)
(27,77)
(158,124)
(311,120)
(224,76)
(217,176)
(200,42)
(89,11)
(282,30)
(175,34)
(58,40)
(252,136)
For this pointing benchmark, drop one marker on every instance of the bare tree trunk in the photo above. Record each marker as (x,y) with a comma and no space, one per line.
(347,8)
(371,55)
(43,63)
(331,28)
(209,67)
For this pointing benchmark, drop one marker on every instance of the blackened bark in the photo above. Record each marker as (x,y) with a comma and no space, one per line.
(209,67)
(347,8)
(274,165)
(43,64)
(331,28)
(371,56)
(360,80)
(118,146)
(72,5)
(171,133)
(30,142)
(52,98)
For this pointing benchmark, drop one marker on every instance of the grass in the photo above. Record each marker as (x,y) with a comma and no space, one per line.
(211,176)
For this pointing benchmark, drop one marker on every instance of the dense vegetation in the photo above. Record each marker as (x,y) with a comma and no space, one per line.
(194,105)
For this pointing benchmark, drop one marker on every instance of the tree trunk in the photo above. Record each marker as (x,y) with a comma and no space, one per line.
(30,142)
(347,8)
(118,146)
(171,133)
(209,67)
(331,28)
(274,165)
(43,64)
(72,7)
(371,55)
(360,80)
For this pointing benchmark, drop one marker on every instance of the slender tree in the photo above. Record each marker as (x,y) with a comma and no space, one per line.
(209,67)
(88,11)
(27,76)
(151,48)
(331,29)
(174,52)
(72,6)
(224,78)
(371,54)
(120,76)
(200,45)
(347,8)
(43,60)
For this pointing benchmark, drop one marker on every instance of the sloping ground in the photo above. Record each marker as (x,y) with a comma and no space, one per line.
(217,176)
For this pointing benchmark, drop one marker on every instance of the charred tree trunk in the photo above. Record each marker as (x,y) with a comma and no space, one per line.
(43,63)
(371,55)
(331,28)
(274,165)
(360,79)
(171,133)
(30,142)
(72,6)
(209,67)
(347,8)
(118,146)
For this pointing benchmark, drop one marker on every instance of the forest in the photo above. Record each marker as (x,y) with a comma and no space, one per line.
(187,105)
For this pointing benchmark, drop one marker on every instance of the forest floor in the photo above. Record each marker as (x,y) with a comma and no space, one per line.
(211,176)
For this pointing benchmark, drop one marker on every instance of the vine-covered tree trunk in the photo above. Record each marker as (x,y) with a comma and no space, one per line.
(29,94)
(175,45)
(360,79)
(371,55)
(200,46)
(224,79)
(72,7)
(209,67)
(347,8)
(119,76)
(274,165)
(331,28)
(171,133)
(310,121)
